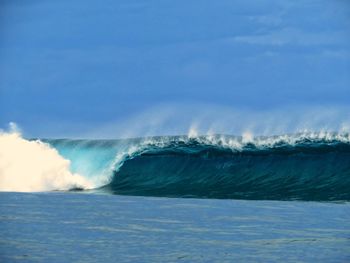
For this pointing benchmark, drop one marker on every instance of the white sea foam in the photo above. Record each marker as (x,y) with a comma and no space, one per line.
(239,142)
(30,166)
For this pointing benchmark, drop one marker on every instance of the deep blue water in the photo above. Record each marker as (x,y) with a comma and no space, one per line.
(78,227)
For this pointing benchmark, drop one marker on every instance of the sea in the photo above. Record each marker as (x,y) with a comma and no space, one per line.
(212,198)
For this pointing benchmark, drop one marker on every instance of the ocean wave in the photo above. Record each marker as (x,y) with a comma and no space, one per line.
(290,167)
(303,166)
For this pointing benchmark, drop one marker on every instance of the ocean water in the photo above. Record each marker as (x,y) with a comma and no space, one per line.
(176,199)
(66,227)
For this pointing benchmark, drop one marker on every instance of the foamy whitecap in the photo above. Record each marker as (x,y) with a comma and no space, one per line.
(31,166)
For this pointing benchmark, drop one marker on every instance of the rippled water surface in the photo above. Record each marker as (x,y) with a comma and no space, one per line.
(73,227)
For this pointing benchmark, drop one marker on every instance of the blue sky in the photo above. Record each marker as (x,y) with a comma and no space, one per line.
(70,66)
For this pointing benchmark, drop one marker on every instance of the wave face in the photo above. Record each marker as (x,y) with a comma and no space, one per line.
(291,167)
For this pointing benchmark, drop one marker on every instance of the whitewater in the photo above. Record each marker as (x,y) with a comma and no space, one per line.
(28,166)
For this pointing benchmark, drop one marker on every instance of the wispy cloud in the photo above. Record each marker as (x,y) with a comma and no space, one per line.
(292,36)
(340,54)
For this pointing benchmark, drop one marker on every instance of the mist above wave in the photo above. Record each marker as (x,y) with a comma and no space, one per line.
(206,119)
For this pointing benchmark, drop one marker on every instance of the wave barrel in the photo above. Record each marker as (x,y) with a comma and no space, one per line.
(317,172)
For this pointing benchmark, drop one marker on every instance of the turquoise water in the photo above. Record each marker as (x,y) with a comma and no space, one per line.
(77,227)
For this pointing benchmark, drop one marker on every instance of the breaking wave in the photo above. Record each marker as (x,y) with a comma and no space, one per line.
(304,166)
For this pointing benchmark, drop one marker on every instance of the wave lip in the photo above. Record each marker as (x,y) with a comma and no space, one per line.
(292,167)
